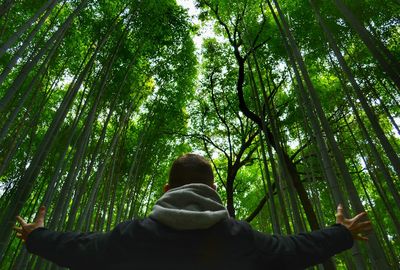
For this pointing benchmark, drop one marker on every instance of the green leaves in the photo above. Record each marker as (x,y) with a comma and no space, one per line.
(159,102)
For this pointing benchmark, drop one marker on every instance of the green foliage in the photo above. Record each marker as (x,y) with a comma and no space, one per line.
(145,100)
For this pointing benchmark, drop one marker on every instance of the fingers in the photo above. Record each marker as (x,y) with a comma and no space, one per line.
(17,229)
(358,217)
(360,237)
(339,214)
(19,233)
(20,236)
(41,214)
(21,221)
(359,229)
(365,226)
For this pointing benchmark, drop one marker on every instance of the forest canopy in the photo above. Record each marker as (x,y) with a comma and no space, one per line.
(295,104)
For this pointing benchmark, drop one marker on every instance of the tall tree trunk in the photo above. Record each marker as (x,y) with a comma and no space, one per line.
(393,259)
(24,186)
(375,180)
(392,68)
(49,5)
(26,69)
(371,116)
(84,218)
(378,257)
(314,101)
(273,210)
(27,93)
(17,55)
(291,168)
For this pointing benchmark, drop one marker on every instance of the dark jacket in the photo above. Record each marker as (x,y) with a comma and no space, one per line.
(150,244)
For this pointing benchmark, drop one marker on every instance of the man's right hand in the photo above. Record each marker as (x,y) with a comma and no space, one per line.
(357,227)
(27,228)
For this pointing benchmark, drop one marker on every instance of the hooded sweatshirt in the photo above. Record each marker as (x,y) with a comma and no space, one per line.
(189,228)
(192,206)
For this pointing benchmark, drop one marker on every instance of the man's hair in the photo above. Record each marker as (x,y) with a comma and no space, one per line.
(190,168)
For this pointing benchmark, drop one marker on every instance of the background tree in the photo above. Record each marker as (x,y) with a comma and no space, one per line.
(295,102)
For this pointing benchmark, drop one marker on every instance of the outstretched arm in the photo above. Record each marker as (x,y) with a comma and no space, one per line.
(65,249)
(306,249)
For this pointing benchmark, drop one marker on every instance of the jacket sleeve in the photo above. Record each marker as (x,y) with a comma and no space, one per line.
(305,249)
(69,249)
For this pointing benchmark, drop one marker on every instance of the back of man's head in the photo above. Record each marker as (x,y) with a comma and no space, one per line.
(190,168)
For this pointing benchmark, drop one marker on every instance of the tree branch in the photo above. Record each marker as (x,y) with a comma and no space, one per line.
(258,208)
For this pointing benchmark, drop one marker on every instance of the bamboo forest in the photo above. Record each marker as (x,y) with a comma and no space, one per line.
(295,103)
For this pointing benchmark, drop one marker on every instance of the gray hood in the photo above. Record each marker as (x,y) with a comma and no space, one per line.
(192,206)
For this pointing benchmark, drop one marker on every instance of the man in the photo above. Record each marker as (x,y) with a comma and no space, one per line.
(189,228)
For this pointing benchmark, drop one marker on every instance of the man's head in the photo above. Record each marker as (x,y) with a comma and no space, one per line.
(190,168)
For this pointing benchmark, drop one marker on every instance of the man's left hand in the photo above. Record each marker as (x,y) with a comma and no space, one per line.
(27,228)
(355,225)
